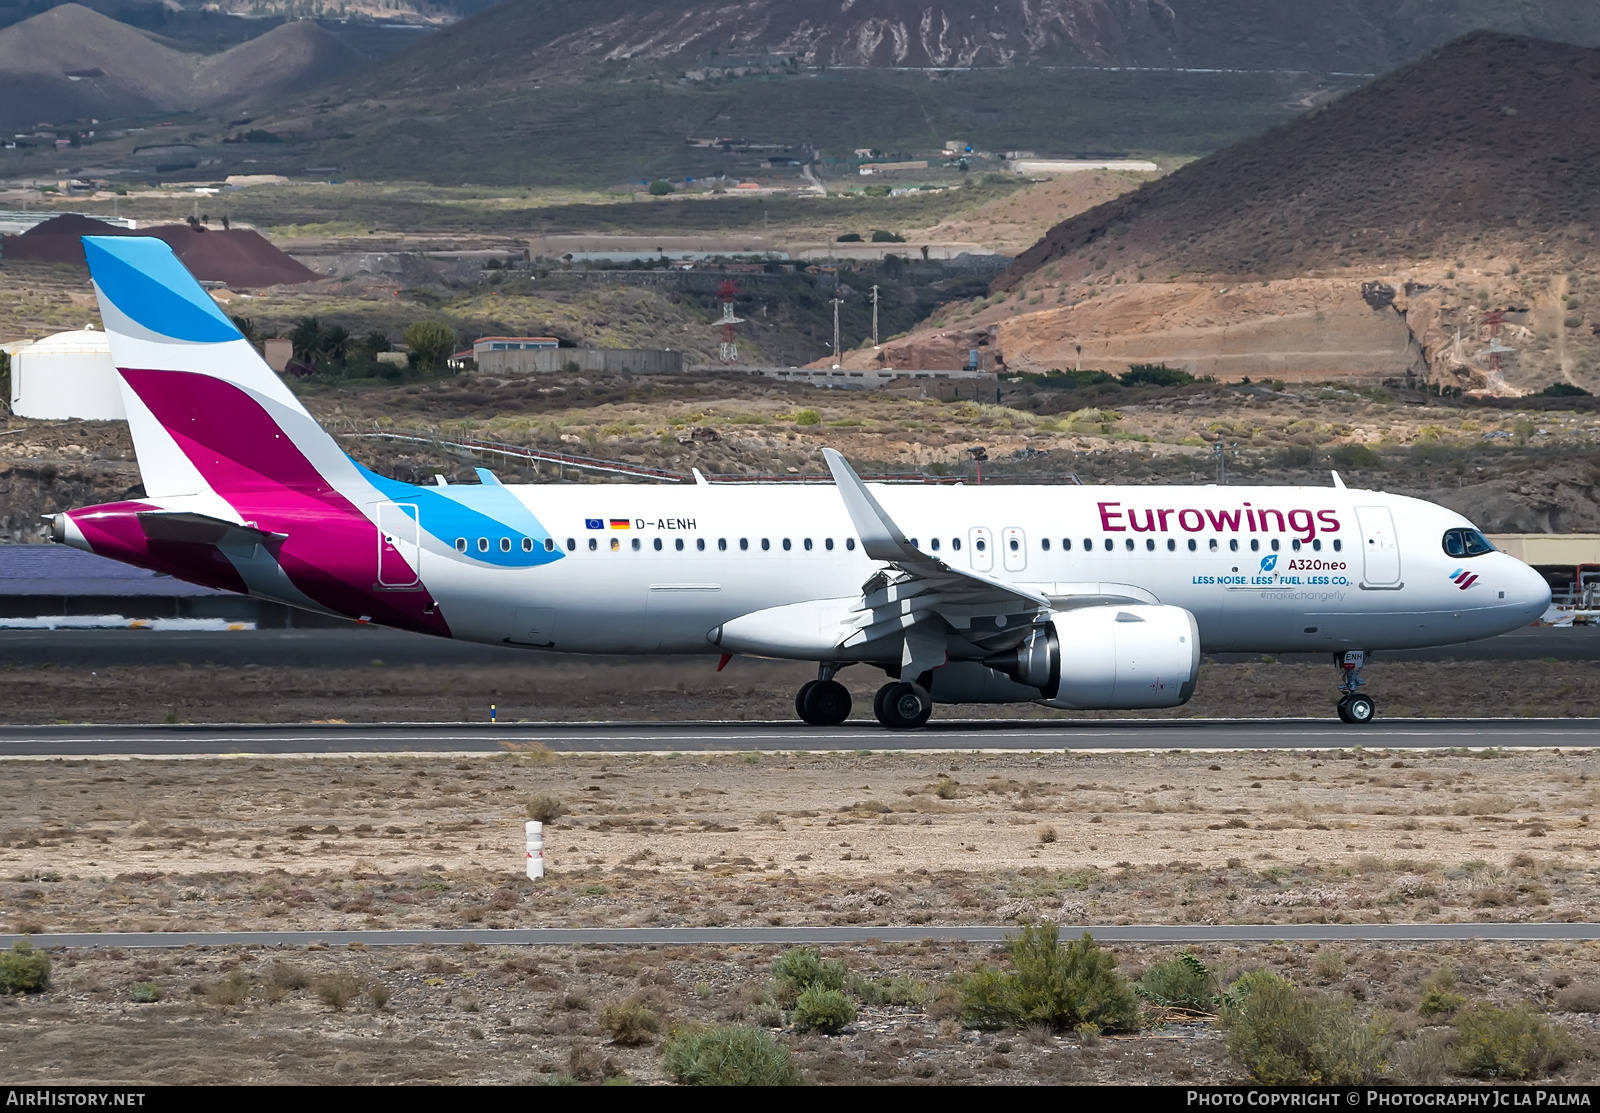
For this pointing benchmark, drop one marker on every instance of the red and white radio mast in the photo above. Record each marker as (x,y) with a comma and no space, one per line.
(730,348)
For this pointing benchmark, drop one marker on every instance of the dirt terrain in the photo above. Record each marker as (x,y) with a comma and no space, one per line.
(828,839)
(1375,237)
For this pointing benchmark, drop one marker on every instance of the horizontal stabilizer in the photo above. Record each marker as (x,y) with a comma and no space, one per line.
(202,529)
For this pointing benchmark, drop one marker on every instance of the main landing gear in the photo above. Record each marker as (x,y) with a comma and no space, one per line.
(900,705)
(1357,710)
(823,702)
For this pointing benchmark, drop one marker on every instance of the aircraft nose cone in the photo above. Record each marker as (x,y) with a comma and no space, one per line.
(1532,592)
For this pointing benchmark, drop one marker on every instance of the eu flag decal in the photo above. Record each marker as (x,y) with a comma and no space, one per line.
(594,523)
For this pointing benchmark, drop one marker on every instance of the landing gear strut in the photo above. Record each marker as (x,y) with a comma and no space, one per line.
(900,705)
(1357,710)
(823,702)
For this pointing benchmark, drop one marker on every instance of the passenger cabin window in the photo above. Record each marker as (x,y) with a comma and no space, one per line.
(1295,544)
(1150,544)
(549,544)
(765,544)
(1172,546)
(527,545)
(1128,544)
(827,543)
(1191,545)
(1066,544)
(461,544)
(572,544)
(1015,544)
(1044,543)
(1213,544)
(657,544)
(807,544)
(744,543)
(1088,544)
(1108,544)
(935,544)
(980,544)
(593,544)
(635,544)
(615,544)
(722,544)
(483,544)
(700,544)
(1337,545)
(1274,544)
(955,543)
(1255,544)
(1316,545)
(1233,544)
(1465,543)
(505,544)
(850,543)
(786,544)
(677,543)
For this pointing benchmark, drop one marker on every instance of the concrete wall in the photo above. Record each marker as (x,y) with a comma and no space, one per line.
(526,361)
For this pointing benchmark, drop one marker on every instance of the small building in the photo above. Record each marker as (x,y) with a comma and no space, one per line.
(278,352)
(68,375)
(528,361)
(510,344)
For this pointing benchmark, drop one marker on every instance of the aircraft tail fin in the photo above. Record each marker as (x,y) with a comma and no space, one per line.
(207,415)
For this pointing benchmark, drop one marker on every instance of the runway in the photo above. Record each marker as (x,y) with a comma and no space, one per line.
(790,936)
(342,647)
(954,735)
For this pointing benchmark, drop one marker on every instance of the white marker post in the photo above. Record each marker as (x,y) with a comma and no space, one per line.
(535,831)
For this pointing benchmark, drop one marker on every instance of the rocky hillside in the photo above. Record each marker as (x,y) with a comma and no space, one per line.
(72,62)
(709,37)
(1412,227)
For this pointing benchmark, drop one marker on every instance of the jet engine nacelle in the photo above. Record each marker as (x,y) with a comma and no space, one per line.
(1115,657)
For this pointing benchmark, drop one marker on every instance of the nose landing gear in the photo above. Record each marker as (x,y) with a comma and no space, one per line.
(1357,710)
(823,702)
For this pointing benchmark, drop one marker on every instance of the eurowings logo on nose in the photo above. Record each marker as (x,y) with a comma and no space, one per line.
(1269,562)
(1464,579)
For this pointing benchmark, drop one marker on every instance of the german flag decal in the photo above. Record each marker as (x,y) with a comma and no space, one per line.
(620,523)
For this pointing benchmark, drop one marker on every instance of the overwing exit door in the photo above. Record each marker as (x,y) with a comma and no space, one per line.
(399,545)
(1014,549)
(1380,548)
(980,547)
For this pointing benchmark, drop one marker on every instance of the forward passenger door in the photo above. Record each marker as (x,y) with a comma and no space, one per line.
(1014,549)
(1380,548)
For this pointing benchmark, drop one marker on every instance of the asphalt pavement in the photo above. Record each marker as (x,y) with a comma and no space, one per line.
(1034,735)
(358,645)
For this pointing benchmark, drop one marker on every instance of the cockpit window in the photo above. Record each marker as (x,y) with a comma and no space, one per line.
(1466,543)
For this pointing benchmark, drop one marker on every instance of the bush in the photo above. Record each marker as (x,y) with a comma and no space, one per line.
(798,969)
(731,1055)
(1059,986)
(902,989)
(880,236)
(1354,456)
(337,990)
(1509,1043)
(629,1023)
(1155,374)
(808,417)
(819,1009)
(1182,982)
(431,342)
(1564,390)
(145,993)
(546,808)
(661,187)
(378,994)
(849,237)
(1438,996)
(24,969)
(229,991)
(1285,1037)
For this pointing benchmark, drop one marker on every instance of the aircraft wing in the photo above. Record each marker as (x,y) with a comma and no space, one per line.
(926,589)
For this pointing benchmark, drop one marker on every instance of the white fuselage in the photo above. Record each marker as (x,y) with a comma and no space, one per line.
(1263,569)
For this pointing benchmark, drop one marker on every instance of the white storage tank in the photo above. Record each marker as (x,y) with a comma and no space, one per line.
(68,375)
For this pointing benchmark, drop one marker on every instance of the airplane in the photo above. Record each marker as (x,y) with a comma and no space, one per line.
(1073,597)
